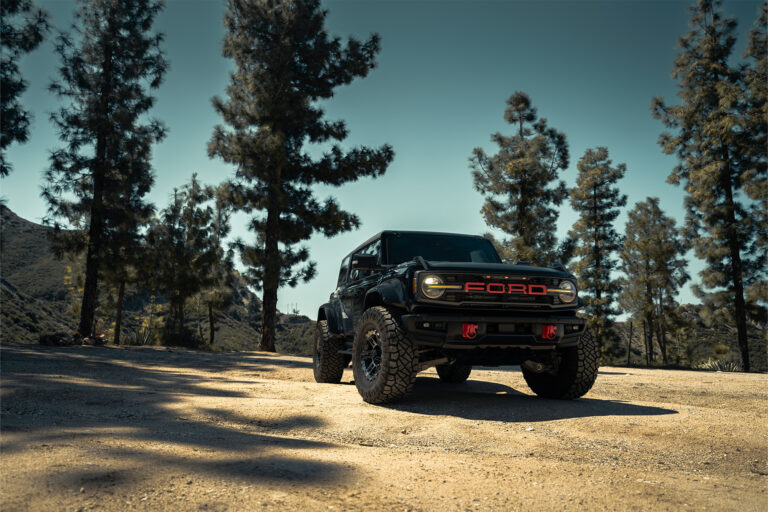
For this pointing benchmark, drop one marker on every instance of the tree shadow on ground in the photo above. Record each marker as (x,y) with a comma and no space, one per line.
(132,404)
(491,401)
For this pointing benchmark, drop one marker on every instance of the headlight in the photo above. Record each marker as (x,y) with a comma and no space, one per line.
(432,287)
(567,291)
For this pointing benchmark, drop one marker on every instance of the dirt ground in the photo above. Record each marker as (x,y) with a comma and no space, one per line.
(100,428)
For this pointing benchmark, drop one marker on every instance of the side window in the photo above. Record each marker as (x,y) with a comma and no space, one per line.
(374,249)
(343,271)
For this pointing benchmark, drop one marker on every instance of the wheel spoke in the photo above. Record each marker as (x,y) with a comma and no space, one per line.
(370,356)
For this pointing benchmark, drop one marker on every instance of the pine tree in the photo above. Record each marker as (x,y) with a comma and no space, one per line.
(217,293)
(16,39)
(755,119)
(597,201)
(286,62)
(654,267)
(715,163)
(517,182)
(184,251)
(98,180)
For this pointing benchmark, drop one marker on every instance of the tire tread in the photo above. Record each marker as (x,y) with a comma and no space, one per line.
(330,367)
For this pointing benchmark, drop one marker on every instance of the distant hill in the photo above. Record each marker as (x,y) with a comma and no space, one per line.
(36,300)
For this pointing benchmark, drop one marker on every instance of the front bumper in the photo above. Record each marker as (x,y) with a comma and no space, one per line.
(445,331)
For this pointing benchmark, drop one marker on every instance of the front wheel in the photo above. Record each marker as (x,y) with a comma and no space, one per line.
(384,361)
(574,375)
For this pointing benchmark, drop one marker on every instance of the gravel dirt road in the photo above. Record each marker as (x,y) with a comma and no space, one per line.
(100,428)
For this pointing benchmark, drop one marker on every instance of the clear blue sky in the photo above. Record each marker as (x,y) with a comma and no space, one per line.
(445,71)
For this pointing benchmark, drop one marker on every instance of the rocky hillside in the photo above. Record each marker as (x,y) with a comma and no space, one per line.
(37,300)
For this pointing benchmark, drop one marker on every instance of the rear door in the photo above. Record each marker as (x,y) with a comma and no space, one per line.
(360,281)
(337,305)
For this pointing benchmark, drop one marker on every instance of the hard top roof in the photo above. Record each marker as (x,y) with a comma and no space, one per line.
(405,232)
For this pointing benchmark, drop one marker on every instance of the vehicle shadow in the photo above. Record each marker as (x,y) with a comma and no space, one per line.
(491,401)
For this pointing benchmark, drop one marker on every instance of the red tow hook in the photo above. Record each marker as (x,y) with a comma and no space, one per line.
(549,332)
(469,331)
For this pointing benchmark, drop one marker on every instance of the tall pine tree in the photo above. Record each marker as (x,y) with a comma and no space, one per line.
(520,182)
(285,62)
(98,180)
(755,119)
(707,133)
(597,200)
(22,29)
(654,267)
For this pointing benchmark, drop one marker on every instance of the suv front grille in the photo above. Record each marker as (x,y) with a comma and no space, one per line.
(501,290)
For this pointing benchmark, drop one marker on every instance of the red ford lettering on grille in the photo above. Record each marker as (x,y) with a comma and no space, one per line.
(507,288)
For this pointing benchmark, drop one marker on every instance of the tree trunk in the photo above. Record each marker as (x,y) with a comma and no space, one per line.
(96,222)
(660,329)
(180,323)
(211,325)
(271,265)
(645,343)
(736,272)
(629,344)
(598,309)
(662,342)
(649,346)
(90,289)
(119,312)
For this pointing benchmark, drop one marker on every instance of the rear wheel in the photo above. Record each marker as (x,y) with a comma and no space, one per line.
(574,375)
(327,363)
(384,360)
(453,373)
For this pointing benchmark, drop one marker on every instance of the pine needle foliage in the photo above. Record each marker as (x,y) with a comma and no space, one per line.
(597,200)
(720,159)
(520,182)
(22,28)
(285,62)
(98,180)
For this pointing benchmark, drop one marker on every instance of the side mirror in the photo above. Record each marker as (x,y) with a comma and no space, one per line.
(364,262)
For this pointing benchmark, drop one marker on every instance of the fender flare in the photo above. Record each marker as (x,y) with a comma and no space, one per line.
(327,313)
(388,293)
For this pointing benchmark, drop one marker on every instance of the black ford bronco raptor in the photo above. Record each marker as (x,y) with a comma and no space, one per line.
(407,301)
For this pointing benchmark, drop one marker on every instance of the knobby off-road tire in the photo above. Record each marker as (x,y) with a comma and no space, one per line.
(453,373)
(327,363)
(384,361)
(575,374)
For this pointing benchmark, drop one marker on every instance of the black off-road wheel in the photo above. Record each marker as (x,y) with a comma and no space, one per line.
(453,373)
(575,374)
(327,363)
(384,361)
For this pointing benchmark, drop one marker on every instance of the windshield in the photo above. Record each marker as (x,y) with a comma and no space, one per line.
(405,247)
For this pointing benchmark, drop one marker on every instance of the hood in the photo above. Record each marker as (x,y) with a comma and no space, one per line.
(499,268)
